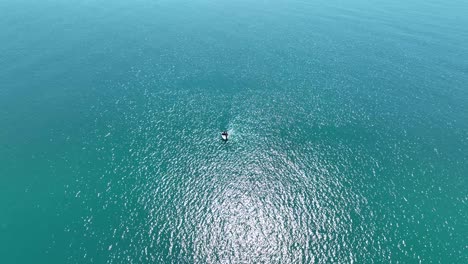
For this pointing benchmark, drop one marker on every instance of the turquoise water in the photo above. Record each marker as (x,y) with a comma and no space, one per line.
(349,124)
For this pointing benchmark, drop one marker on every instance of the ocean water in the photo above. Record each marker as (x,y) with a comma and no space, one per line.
(348,122)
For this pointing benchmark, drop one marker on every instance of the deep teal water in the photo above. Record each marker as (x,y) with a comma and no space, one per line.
(349,123)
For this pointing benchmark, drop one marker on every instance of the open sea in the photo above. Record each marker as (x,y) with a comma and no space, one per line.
(348,125)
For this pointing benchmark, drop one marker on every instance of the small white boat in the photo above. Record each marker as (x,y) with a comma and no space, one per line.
(225,135)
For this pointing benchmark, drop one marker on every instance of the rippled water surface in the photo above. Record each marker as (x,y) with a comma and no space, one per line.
(348,123)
